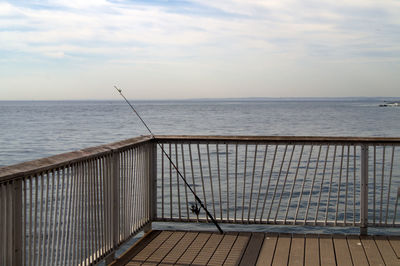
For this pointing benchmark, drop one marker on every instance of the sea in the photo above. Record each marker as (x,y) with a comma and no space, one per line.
(35,129)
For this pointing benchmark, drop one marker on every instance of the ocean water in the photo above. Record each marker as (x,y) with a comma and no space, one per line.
(35,129)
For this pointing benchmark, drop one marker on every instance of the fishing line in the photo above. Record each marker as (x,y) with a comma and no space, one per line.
(173,164)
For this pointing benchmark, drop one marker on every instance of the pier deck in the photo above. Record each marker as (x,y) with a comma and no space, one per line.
(234,248)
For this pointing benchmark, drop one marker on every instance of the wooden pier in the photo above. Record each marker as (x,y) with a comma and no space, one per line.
(233,248)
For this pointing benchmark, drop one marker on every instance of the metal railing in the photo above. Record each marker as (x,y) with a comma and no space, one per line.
(75,208)
(282,180)
(78,208)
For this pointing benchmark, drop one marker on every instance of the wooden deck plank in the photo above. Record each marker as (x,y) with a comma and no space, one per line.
(208,249)
(326,251)
(358,255)
(388,254)
(190,254)
(296,255)
(237,250)
(267,250)
(371,250)
(395,243)
(253,248)
(139,246)
(152,246)
(223,249)
(343,256)
(180,248)
(165,248)
(282,249)
(311,256)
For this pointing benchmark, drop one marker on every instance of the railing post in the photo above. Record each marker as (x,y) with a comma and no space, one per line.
(17,222)
(152,170)
(114,212)
(364,190)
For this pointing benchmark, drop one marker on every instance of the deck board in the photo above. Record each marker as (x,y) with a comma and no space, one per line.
(343,256)
(296,256)
(233,248)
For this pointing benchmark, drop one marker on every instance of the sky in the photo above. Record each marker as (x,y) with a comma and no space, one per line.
(160,49)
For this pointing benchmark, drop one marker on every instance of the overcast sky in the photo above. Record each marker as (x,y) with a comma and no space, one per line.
(75,49)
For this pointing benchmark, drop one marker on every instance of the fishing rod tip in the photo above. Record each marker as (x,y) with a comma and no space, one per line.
(119,90)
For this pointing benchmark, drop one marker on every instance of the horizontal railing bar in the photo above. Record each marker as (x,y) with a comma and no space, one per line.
(201,139)
(55,162)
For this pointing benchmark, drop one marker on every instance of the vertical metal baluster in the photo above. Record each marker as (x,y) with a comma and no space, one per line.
(269,182)
(322,184)
(347,183)
(244,181)
(192,170)
(81,212)
(56,225)
(177,183)
(261,181)
(219,183)
(41,238)
(31,204)
(354,186)
(137,188)
(162,181)
(236,172)
(284,184)
(277,182)
(92,208)
(339,185)
(202,178)
(227,180)
(96,237)
(87,212)
(128,198)
(374,194)
(131,190)
(184,174)
(330,185)
(210,176)
(72,244)
(312,185)
(121,188)
(24,193)
(390,184)
(294,181)
(304,182)
(170,184)
(252,182)
(67,217)
(395,206)
(61,226)
(49,217)
(2,224)
(101,180)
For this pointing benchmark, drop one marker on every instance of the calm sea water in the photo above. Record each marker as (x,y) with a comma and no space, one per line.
(36,129)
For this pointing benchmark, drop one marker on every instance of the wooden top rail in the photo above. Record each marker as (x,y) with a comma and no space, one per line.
(8,173)
(277,139)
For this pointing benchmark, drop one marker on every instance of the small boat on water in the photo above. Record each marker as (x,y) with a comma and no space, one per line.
(390,104)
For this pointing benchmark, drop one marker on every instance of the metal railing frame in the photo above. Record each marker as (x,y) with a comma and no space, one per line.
(13,177)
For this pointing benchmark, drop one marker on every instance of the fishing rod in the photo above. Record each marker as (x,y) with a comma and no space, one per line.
(194,209)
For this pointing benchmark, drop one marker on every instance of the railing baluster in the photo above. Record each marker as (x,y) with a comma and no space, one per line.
(277,182)
(170,184)
(374,194)
(322,184)
(354,185)
(302,186)
(284,184)
(219,184)
(389,186)
(202,178)
(236,174)
(184,174)
(269,182)
(162,182)
(312,185)
(339,185)
(227,181)
(252,182)
(330,184)
(210,177)
(347,183)
(261,181)
(294,182)
(177,182)
(364,190)
(244,181)
(192,170)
